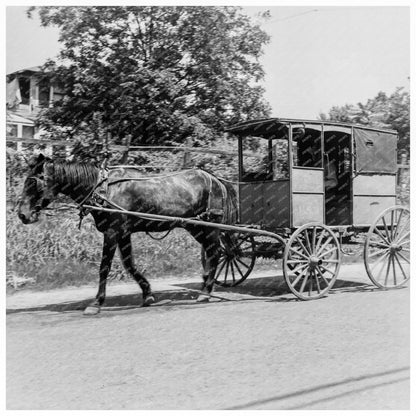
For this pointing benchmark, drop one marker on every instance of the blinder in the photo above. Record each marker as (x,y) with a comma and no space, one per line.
(40,187)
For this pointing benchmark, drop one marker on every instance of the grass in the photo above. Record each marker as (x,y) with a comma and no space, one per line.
(55,253)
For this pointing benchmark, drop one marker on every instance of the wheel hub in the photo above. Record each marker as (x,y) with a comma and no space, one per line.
(314,261)
(395,247)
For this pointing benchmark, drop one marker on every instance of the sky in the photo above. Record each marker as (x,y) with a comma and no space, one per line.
(318,57)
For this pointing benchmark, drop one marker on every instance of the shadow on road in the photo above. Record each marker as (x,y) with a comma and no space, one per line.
(375,380)
(270,288)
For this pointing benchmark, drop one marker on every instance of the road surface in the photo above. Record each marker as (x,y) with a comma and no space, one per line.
(256,350)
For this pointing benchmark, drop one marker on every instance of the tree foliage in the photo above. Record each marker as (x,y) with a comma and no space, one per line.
(383,111)
(161,74)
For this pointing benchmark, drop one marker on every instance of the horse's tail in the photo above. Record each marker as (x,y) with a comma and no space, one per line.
(230,206)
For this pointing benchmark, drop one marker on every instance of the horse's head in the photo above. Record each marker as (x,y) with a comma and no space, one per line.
(35,195)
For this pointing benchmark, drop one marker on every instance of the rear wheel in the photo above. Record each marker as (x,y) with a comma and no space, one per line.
(237,258)
(387,248)
(311,261)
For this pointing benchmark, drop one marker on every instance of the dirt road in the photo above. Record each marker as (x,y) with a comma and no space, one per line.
(347,351)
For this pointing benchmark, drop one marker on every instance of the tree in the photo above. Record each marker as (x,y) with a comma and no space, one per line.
(161,74)
(383,111)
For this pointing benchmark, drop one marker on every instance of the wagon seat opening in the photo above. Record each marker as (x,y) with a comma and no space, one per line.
(337,167)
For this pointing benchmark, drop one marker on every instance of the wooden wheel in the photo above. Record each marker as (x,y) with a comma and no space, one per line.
(387,248)
(236,260)
(311,261)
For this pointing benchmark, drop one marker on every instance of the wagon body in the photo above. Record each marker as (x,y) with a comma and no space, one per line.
(314,171)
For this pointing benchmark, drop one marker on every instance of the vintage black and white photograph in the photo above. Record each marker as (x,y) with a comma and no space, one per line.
(207,206)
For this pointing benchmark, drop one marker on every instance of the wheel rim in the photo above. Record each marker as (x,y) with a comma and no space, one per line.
(387,248)
(311,261)
(237,259)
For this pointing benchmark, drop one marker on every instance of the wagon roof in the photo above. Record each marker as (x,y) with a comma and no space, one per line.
(265,125)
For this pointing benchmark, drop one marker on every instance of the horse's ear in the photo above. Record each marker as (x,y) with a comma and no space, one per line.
(36,162)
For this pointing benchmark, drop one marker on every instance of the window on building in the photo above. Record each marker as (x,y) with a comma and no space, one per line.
(11,130)
(44,93)
(24,85)
(28,132)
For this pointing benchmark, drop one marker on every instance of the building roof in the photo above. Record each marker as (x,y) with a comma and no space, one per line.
(33,69)
(15,118)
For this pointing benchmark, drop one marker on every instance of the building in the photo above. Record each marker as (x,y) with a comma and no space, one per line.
(28,92)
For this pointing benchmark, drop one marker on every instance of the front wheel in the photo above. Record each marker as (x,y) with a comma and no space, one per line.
(311,261)
(387,248)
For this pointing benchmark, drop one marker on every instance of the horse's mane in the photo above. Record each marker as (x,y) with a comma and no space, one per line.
(74,173)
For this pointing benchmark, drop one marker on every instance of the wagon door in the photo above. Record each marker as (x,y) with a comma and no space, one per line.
(374,184)
(307,174)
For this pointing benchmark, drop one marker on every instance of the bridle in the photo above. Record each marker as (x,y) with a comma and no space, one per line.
(40,188)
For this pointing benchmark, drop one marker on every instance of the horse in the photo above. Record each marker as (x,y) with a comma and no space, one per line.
(192,193)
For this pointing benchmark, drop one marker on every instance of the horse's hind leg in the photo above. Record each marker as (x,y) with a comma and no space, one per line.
(109,248)
(209,239)
(128,263)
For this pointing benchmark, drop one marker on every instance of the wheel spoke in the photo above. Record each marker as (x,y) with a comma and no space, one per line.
(379,259)
(241,261)
(308,243)
(324,245)
(330,261)
(404,258)
(296,261)
(402,237)
(401,267)
(376,253)
(397,224)
(378,244)
(310,283)
(386,228)
(323,277)
(302,288)
(313,239)
(394,269)
(382,236)
(219,270)
(387,272)
(327,252)
(318,244)
(296,281)
(318,287)
(392,225)
(226,272)
(328,270)
(303,246)
(299,253)
(404,229)
(232,271)
(300,267)
(238,268)
(243,240)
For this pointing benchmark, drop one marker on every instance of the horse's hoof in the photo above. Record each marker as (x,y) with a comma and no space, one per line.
(92,310)
(202,298)
(149,300)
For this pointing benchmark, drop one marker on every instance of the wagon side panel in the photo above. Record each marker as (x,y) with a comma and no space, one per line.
(372,193)
(307,196)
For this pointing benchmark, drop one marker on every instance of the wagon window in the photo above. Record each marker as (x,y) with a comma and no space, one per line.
(256,164)
(280,159)
(307,148)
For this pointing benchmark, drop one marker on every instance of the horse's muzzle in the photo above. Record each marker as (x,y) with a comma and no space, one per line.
(33,217)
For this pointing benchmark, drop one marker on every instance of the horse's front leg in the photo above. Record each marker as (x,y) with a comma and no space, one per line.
(128,263)
(109,248)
